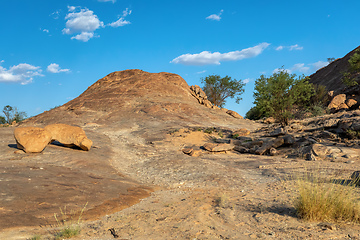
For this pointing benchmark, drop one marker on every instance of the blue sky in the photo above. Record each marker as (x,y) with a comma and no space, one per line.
(51,51)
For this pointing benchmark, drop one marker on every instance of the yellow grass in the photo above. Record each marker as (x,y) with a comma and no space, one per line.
(330,201)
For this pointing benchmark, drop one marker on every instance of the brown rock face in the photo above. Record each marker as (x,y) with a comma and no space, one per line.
(337,101)
(234,114)
(32,139)
(69,135)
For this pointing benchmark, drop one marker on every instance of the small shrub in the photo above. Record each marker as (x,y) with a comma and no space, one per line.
(35,237)
(235,136)
(321,200)
(209,130)
(69,223)
(220,133)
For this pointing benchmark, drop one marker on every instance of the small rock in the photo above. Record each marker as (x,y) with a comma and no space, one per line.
(196,153)
(234,114)
(351,102)
(320,150)
(269,120)
(289,139)
(213,147)
(325,226)
(310,157)
(273,152)
(337,101)
(241,149)
(241,132)
(19,152)
(277,132)
(187,150)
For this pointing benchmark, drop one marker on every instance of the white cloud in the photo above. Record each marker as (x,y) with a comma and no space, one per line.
(246,80)
(22,73)
(55,68)
(215,17)
(290,48)
(84,36)
(113,1)
(82,21)
(206,57)
(320,64)
(121,21)
(203,71)
(55,14)
(305,69)
(45,30)
(295,47)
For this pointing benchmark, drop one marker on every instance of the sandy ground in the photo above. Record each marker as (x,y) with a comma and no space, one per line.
(214,196)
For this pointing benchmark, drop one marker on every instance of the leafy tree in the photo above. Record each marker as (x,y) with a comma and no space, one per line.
(330,60)
(218,89)
(280,95)
(12,114)
(2,120)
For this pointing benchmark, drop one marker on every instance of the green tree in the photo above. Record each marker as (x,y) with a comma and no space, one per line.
(218,89)
(12,114)
(350,77)
(2,120)
(280,95)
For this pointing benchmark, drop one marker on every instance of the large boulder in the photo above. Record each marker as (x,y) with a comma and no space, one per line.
(69,135)
(32,139)
(234,114)
(337,102)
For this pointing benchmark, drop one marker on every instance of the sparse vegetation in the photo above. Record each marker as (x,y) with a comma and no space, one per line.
(329,201)
(35,237)
(350,77)
(69,224)
(209,130)
(276,96)
(218,89)
(12,114)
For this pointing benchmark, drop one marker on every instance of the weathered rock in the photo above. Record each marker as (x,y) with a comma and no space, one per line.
(200,95)
(32,139)
(251,144)
(241,149)
(320,150)
(351,102)
(215,107)
(310,157)
(187,150)
(277,132)
(269,120)
(213,147)
(270,144)
(327,134)
(234,114)
(207,103)
(355,176)
(224,109)
(289,139)
(330,123)
(337,101)
(343,106)
(69,135)
(273,152)
(241,132)
(196,153)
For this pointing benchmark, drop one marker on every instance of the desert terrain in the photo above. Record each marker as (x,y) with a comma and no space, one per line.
(136,182)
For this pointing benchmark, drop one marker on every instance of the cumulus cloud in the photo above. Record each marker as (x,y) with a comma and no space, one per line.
(82,21)
(290,48)
(22,73)
(319,64)
(247,80)
(121,21)
(55,68)
(113,1)
(206,57)
(215,17)
(305,69)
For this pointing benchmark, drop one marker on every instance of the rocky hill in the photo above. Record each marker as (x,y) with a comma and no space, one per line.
(331,75)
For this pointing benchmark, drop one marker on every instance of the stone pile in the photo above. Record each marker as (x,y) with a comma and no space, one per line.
(35,139)
(342,102)
(200,95)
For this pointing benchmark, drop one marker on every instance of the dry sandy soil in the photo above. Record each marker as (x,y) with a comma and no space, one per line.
(137,181)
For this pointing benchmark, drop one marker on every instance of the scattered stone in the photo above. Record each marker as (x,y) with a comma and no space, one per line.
(337,101)
(195,153)
(310,157)
(32,139)
(273,152)
(187,150)
(277,132)
(69,135)
(269,120)
(251,144)
(325,226)
(241,149)
(241,132)
(270,144)
(327,134)
(320,150)
(19,152)
(213,147)
(351,102)
(234,114)
(289,139)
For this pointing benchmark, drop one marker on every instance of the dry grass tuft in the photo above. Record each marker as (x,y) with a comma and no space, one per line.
(329,201)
